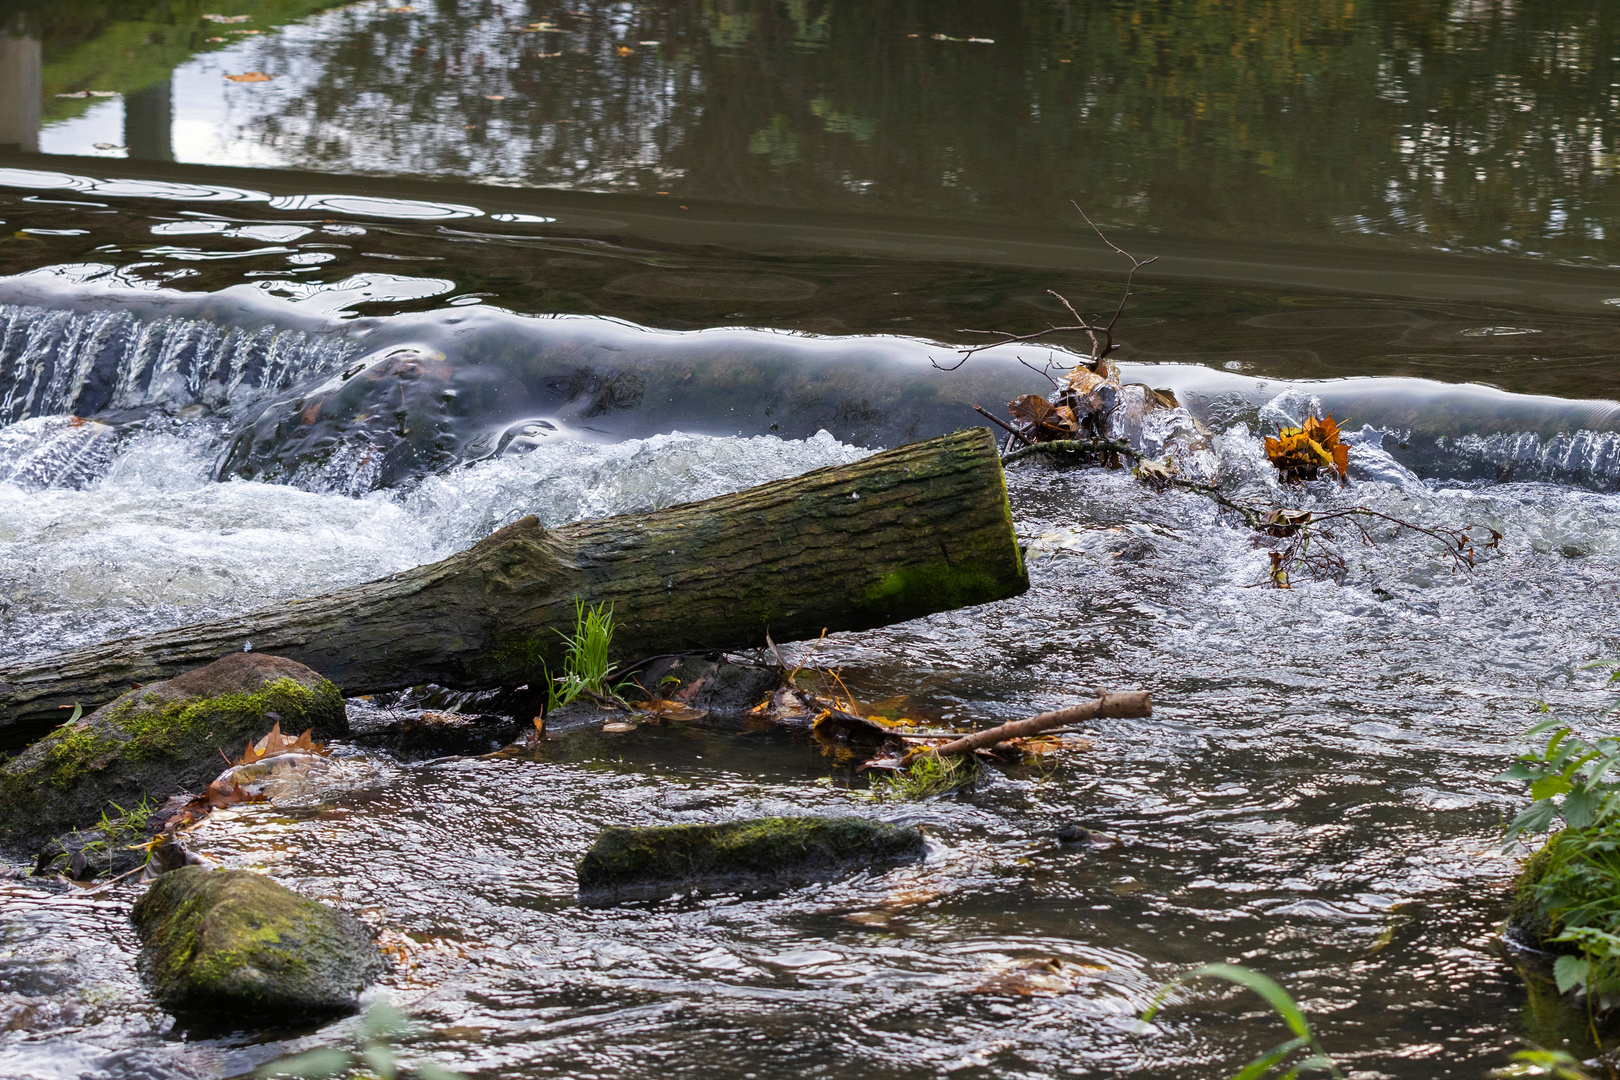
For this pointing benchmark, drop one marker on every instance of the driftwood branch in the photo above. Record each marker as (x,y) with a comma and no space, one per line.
(1128,704)
(895,536)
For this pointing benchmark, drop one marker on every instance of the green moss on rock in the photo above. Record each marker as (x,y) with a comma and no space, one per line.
(237,943)
(1526,916)
(156,741)
(760,853)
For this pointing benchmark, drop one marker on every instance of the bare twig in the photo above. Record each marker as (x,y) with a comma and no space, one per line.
(1101,347)
(1073,446)
(1130,704)
(1130,278)
(999,422)
(1046,372)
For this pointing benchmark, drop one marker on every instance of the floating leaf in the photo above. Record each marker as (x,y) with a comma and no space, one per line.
(661,709)
(228,18)
(250,76)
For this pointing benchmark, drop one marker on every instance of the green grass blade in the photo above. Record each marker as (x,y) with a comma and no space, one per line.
(1274,995)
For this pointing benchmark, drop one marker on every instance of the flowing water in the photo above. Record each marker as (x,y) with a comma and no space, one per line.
(461,261)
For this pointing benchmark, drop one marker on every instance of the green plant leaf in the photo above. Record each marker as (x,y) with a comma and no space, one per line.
(383,1021)
(315,1065)
(1571,971)
(1537,817)
(1263,1064)
(426,1070)
(1580,807)
(1266,987)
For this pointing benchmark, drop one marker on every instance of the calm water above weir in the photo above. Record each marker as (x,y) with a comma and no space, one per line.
(646,253)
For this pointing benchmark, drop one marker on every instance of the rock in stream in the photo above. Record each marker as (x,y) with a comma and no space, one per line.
(235,944)
(157,740)
(738,856)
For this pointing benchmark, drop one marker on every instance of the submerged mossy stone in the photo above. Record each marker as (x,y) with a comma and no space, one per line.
(1526,919)
(235,943)
(152,742)
(760,853)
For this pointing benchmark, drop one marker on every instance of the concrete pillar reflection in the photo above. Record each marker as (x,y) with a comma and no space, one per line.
(19,93)
(149,122)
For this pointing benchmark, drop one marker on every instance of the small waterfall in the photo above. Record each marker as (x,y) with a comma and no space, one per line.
(57,361)
(1588,459)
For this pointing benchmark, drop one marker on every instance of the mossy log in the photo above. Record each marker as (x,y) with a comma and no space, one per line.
(901,534)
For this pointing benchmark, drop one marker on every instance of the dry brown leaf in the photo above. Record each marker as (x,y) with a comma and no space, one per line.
(1042,420)
(661,709)
(1044,977)
(250,76)
(1302,453)
(276,743)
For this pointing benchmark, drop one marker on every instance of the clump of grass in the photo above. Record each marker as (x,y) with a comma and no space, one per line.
(120,828)
(929,774)
(1569,893)
(587,661)
(1288,1060)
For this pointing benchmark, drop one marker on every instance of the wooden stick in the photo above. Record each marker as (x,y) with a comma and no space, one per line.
(1131,703)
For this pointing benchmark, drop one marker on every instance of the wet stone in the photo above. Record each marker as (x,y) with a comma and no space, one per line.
(163,738)
(412,733)
(234,943)
(755,855)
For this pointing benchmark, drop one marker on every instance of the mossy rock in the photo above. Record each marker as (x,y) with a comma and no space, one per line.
(738,856)
(1533,927)
(160,739)
(234,943)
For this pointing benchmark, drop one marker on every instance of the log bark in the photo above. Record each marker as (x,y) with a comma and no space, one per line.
(1131,703)
(901,534)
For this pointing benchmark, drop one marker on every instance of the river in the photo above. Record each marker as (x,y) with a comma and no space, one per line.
(645,253)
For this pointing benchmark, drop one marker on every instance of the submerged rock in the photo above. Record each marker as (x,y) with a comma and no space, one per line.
(234,942)
(741,856)
(722,687)
(154,741)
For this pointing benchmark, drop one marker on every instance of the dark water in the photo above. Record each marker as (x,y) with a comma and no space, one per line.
(458,262)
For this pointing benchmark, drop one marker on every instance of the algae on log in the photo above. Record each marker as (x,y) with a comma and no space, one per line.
(901,534)
(236,943)
(759,853)
(156,741)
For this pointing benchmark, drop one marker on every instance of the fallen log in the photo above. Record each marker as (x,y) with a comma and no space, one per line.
(1129,704)
(901,534)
